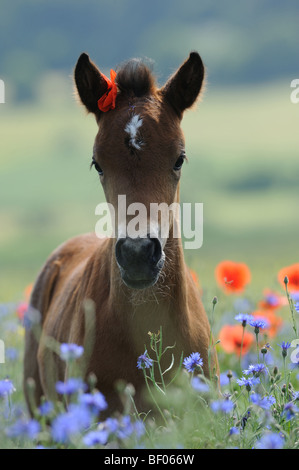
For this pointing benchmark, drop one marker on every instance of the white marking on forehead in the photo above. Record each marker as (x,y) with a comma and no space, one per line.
(132,129)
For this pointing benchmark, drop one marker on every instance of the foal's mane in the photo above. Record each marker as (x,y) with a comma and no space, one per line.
(135,77)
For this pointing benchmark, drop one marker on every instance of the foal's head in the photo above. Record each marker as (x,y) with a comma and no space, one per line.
(138,152)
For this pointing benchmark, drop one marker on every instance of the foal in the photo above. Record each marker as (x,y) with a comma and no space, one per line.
(137,284)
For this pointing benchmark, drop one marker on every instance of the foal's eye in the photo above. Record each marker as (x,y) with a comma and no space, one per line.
(97,166)
(179,163)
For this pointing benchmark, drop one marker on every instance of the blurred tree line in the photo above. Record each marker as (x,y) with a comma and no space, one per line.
(241,42)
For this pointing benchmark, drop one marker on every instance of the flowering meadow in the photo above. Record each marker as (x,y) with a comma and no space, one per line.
(253,403)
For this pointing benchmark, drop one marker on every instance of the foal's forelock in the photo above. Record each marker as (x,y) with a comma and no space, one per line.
(136,84)
(135,78)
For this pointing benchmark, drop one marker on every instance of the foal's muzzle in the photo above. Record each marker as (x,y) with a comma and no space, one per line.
(140,261)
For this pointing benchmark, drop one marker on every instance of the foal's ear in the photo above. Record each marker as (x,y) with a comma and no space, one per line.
(90,83)
(182,89)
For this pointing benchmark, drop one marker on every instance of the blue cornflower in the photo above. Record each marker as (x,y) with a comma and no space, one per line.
(224,406)
(225,377)
(297,307)
(244,419)
(248,382)
(111,424)
(72,385)
(289,411)
(139,428)
(32,317)
(233,430)
(144,361)
(46,408)
(94,438)
(95,401)
(11,354)
(244,318)
(6,387)
(122,428)
(284,346)
(71,351)
(265,402)
(270,441)
(68,425)
(255,369)
(24,429)
(199,385)
(125,428)
(272,299)
(258,323)
(193,362)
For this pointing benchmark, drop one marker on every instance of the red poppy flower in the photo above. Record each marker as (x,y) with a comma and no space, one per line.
(232,277)
(274,321)
(22,309)
(292,273)
(23,306)
(231,339)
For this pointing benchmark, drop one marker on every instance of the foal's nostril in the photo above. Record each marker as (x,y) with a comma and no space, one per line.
(119,251)
(138,251)
(156,250)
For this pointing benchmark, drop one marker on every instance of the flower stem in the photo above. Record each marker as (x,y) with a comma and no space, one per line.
(214,303)
(291,304)
(153,398)
(159,367)
(284,369)
(242,340)
(257,346)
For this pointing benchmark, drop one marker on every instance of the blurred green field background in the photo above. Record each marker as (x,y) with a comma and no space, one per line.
(242,148)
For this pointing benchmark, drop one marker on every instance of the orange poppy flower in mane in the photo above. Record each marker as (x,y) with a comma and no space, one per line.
(231,339)
(292,273)
(232,277)
(107,101)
